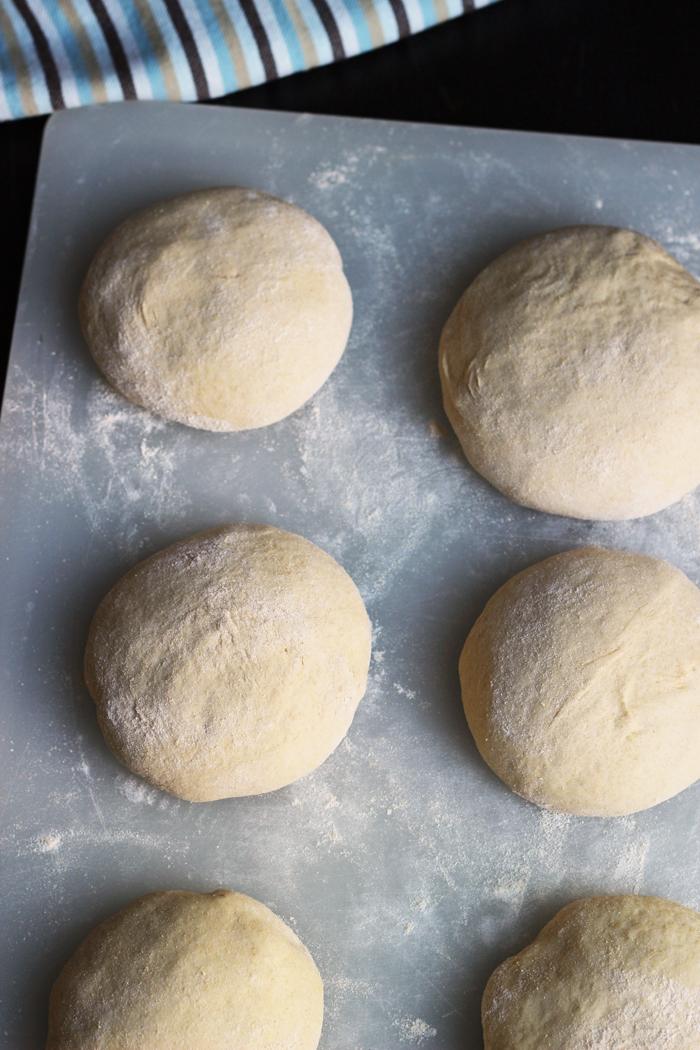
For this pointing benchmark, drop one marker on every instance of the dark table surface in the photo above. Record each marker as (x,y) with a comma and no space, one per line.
(621,68)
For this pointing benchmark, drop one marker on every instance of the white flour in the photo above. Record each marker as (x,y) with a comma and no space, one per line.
(414,1030)
(409,869)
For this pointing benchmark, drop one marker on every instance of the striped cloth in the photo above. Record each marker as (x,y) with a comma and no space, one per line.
(59,53)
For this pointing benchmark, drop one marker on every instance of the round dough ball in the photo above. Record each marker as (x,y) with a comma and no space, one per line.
(231,663)
(223,309)
(571,373)
(607,973)
(184,971)
(581,682)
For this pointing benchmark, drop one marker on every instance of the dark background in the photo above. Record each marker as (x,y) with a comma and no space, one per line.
(622,68)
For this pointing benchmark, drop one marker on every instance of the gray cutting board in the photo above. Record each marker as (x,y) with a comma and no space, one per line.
(407,868)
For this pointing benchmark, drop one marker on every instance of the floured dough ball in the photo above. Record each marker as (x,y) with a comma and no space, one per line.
(571,373)
(183,971)
(581,682)
(229,664)
(607,973)
(223,309)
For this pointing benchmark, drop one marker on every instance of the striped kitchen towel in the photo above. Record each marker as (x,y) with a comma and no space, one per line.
(59,53)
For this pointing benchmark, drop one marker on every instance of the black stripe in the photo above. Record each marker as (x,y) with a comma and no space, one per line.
(116,49)
(331,27)
(258,30)
(401,18)
(182,27)
(468,5)
(53,80)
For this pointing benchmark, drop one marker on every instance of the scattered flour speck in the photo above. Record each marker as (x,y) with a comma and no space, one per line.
(414,1030)
(48,843)
(138,791)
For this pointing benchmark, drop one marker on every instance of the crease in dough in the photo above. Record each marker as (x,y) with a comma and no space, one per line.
(581,682)
(570,371)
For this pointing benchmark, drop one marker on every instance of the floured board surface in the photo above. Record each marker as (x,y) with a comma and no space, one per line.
(403,863)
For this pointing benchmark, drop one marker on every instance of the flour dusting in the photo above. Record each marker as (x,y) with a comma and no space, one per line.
(48,843)
(414,1030)
(411,871)
(104,451)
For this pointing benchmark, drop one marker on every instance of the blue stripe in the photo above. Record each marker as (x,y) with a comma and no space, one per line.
(218,41)
(70,44)
(289,33)
(429,13)
(183,73)
(9,83)
(99,46)
(357,17)
(387,20)
(143,43)
(36,72)
(256,70)
(318,33)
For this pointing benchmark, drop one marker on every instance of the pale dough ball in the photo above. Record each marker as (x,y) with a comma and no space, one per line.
(581,682)
(231,663)
(607,973)
(183,971)
(571,373)
(223,309)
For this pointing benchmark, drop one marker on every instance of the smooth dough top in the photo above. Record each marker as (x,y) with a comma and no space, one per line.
(581,682)
(224,309)
(570,371)
(183,971)
(231,663)
(607,973)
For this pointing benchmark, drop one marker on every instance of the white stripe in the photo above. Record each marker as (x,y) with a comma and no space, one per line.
(99,46)
(278,45)
(414,13)
(66,75)
(207,51)
(183,73)
(5,112)
(348,34)
(387,20)
(36,70)
(13,76)
(142,84)
(455,8)
(312,21)
(256,69)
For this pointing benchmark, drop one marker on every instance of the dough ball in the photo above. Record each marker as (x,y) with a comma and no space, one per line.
(607,973)
(229,664)
(223,309)
(184,971)
(581,682)
(571,373)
